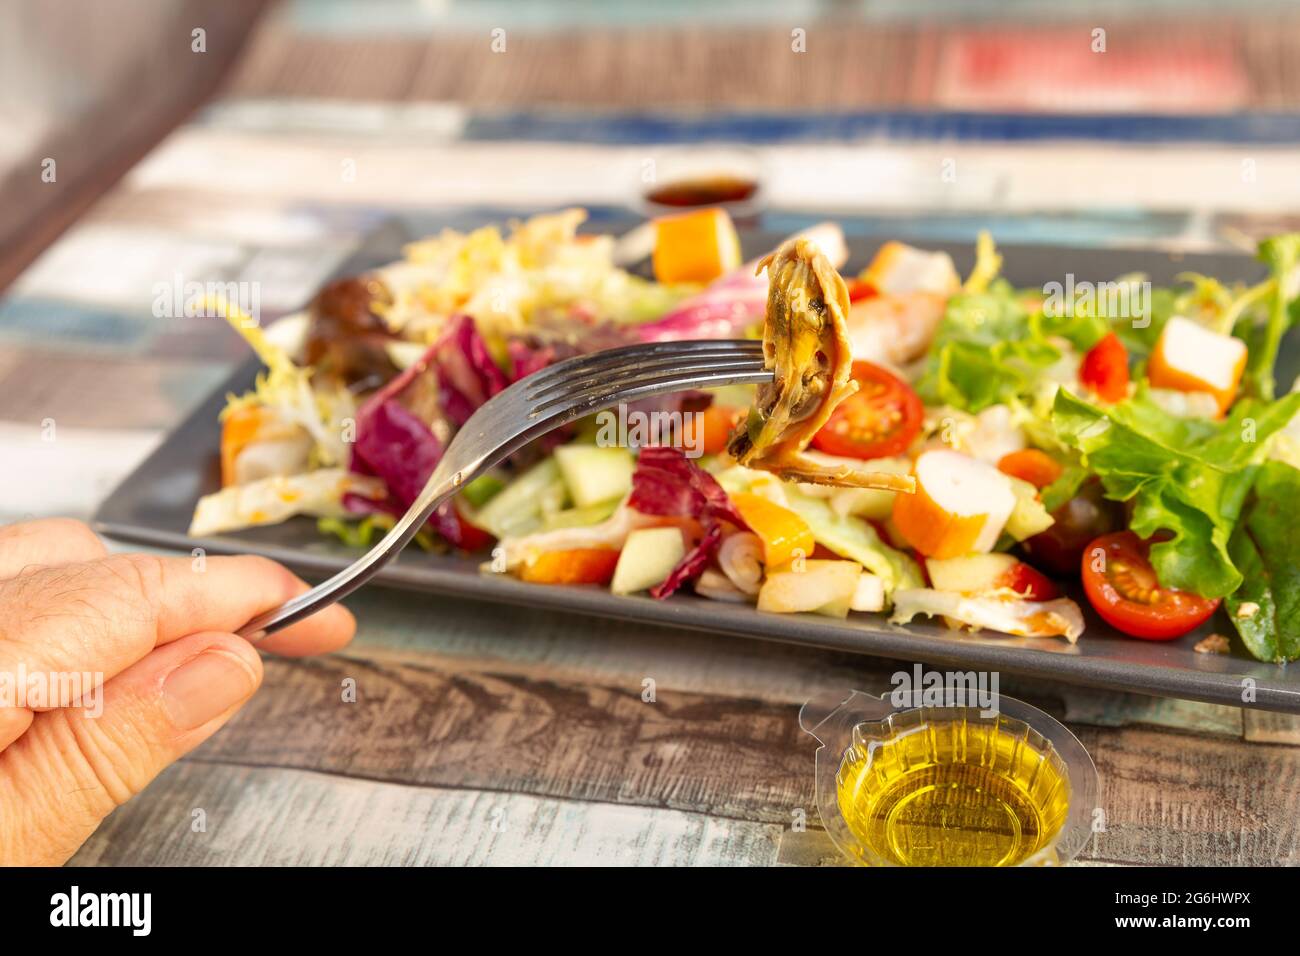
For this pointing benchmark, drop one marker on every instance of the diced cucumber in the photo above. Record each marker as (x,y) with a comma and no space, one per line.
(482,489)
(594,474)
(553,499)
(647,557)
(517,508)
(580,517)
(1029,516)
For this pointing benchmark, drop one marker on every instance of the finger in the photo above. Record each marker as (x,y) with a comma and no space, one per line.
(76,765)
(323,632)
(48,541)
(14,722)
(93,620)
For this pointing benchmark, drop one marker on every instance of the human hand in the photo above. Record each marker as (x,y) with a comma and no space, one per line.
(113,666)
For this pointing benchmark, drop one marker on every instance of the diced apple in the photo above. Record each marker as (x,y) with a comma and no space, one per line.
(870,594)
(971,573)
(985,574)
(648,555)
(823,587)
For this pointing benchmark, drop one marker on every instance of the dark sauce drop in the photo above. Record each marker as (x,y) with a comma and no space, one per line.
(710,191)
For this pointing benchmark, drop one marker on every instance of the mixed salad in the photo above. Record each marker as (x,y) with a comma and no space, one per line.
(931,444)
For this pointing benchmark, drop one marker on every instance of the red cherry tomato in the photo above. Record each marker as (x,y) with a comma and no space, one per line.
(860,289)
(472,537)
(1032,583)
(1089,514)
(1122,586)
(1105,368)
(880,419)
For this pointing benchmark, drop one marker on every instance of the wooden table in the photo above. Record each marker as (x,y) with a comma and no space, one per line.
(488,734)
(484,734)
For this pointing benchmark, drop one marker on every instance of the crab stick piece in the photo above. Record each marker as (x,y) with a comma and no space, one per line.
(900,269)
(960,506)
(1191,358)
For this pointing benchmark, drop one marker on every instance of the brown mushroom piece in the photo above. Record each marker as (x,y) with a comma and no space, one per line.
(806,346)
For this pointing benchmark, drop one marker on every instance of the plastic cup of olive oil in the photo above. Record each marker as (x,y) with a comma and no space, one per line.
(903,782)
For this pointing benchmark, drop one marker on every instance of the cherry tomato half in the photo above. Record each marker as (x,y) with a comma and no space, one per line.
(1105,368)
(880,419)
(860,289)
(472,537)
(1122,586)
(1030,582)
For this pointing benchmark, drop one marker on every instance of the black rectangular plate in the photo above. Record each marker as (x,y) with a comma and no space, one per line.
(153,507)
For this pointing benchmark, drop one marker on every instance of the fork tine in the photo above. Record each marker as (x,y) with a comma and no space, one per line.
(656,375)
(515,404)
(606,362)
(631,367)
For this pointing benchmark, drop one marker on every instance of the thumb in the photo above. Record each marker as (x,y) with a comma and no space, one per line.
(77,764)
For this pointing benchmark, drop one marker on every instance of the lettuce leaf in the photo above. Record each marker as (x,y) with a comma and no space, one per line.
(991,348)
(397,444)
(1186,478)
(1282,254)
(854,538)
(467,374)
(1266,608)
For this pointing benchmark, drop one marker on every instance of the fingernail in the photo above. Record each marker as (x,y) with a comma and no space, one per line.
(207,686)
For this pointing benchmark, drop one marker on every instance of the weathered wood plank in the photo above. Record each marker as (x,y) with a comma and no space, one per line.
(271,817)
(438,726)
(136,78)
(848,64)
(1169,798)
(1184,799)
(1265,727)
(1104,708)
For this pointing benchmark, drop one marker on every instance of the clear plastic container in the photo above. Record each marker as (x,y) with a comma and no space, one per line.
(902,782)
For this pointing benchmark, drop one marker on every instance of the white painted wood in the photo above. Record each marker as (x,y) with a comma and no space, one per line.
(273,817)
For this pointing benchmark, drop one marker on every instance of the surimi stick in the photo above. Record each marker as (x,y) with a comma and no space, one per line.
(1191,358)
(960,506)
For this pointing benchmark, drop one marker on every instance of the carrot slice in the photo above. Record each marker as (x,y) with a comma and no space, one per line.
(784,534)
(695,246)
(573,566)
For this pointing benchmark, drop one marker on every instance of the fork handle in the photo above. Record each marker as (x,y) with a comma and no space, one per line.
(359,572)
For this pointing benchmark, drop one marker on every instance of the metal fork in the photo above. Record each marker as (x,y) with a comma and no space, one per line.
(528,409)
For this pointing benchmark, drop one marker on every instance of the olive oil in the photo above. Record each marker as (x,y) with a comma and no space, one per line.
(951,788)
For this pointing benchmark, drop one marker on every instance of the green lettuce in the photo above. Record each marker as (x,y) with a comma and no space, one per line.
(1282,254)
(991,348)
(1265,609)
(853,538)
(1187,479)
